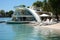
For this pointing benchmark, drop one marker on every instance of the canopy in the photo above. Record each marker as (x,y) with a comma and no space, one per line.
(44,15)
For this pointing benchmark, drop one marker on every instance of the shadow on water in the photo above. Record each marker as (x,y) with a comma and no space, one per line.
(54,38)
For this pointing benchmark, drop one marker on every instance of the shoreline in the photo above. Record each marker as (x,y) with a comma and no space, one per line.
(54,26)
(49,30)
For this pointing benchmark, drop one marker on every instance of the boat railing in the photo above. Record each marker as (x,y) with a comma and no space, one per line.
(23,15)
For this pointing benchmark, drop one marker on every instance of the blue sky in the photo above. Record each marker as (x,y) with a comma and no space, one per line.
(9,4)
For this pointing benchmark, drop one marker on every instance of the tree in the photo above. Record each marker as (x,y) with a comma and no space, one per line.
(10,13)
(7,14)
(2,12)
(55,4)
(46,6)
(38,4)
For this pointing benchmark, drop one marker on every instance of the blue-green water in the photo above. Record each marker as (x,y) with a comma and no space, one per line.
(20,32)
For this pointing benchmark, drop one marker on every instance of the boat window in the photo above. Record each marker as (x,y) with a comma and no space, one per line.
(28,12)
(26,19)
(23,12)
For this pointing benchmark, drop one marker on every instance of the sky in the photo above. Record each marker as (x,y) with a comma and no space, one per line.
(9,4)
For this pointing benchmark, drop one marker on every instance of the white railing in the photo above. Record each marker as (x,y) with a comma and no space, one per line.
(23,16)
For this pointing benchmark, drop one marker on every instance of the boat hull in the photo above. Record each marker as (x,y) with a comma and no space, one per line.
(17,22)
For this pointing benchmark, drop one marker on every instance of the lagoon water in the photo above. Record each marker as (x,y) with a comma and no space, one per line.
(20,32)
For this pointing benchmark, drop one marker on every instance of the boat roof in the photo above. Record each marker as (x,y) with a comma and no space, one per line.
(21,8)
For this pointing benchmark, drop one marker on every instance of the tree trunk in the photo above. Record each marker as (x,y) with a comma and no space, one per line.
(56,14)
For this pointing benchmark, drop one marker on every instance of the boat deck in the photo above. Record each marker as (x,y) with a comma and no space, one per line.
(20,22)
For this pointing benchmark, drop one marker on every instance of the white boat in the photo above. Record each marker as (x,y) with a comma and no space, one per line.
(24,15)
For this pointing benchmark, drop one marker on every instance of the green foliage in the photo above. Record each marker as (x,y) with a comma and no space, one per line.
(2,12)
(55,4)
(38,4)
(6,14)
(28,7)
(10,13)
(46,6)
